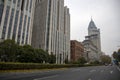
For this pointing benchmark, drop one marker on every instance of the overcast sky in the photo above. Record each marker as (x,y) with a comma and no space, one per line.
(105,14)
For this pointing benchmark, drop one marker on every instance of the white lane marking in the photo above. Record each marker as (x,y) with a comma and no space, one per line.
(89,79)
(46,77)
(75,70)
(102,70)
(118,68)
(111,72)
(92,70)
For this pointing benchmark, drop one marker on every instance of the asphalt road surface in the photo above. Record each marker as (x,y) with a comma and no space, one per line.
(82,73)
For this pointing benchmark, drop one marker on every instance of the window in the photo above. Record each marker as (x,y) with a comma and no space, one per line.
(23,34)
(18,4)
(30,5)
(48,24)
(27,5)
(5,22)
(14,1)
(15,25)
(22,5)
(1,11)
(20,28)
(27,34)
(10,24)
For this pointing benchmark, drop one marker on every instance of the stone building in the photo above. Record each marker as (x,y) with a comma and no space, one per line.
(92,43)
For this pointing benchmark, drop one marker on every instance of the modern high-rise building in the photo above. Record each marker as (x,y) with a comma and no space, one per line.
(92,43)
(67,32)
(51,31)
(16,20)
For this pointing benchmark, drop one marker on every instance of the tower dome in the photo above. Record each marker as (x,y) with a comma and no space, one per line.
(92,25)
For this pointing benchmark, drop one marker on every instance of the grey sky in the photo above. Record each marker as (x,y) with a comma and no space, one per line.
(105,14)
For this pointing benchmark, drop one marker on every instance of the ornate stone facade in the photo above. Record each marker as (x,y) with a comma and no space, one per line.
(92,43)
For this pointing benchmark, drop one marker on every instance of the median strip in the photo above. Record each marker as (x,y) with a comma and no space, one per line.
(92,70)
(111,72)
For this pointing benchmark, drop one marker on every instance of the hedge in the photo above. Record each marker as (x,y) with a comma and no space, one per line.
(25,66)
(22,66)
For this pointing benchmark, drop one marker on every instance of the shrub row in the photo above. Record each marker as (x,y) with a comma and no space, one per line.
(22,66)
(25,66)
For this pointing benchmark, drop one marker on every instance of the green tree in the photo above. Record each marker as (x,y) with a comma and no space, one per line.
(95,62)
(52,58)
(41,56)
(116,55)
(118,50)
(12,52)
(19,54)
(81,60)
(8,50)
(105,59)
(26,54)
(66,61)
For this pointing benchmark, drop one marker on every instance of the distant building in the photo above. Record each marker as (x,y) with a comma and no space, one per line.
(94,35)
(90,50)
(77,50)
(16,20)
(92,43)
(51,31)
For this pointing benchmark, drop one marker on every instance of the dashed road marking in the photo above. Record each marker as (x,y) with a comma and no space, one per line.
(111,72)
(75,70)
(92,70)
(102,70)
(89,79)
(46,77)
(118,68)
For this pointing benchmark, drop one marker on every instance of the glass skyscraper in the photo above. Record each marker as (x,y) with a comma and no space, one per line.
(16,20)
(51,30)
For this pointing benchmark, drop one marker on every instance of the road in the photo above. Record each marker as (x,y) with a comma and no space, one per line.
(82,73)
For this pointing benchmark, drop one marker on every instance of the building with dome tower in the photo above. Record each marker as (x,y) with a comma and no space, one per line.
(92,43)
